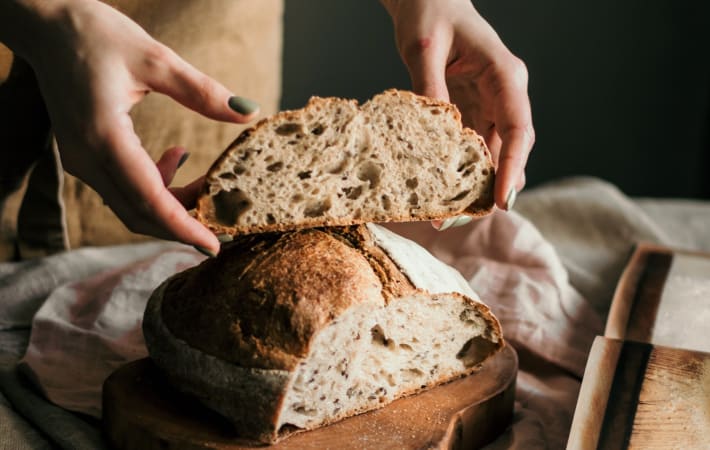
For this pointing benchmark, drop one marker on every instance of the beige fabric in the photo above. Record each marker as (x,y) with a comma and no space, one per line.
(238,42)
(5,62)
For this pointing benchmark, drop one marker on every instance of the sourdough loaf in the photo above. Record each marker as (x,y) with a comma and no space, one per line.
(398,157)
(291,331)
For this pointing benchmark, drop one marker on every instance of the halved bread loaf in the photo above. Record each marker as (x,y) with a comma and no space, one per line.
(398,157)
(290,331)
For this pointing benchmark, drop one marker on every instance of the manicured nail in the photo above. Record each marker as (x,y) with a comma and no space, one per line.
(510,200)
(205,251)
(222,238)
(242,105)
(453,222)
(183,158)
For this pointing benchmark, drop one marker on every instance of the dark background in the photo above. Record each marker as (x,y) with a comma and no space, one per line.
(619,89)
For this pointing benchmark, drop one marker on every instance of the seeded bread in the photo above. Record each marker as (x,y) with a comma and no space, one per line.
(398,157)
(285,332)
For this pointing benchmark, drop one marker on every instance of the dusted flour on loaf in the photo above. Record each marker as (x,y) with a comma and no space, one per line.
(291,331)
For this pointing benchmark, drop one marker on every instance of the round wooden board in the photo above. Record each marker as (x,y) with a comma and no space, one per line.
(142,412)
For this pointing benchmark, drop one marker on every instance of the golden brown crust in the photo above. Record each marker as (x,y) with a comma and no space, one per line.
(246,320)
(259,303)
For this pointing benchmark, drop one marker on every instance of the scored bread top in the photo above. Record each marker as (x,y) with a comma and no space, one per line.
(398,157)
(260,302)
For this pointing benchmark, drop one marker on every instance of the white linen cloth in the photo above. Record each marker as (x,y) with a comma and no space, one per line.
(550,284)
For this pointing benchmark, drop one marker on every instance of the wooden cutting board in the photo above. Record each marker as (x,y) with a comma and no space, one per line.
(647,380)
(642,396)
(142,412)
(663,298)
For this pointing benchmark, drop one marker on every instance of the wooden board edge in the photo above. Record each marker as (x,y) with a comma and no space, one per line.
(627,288)
(593,396)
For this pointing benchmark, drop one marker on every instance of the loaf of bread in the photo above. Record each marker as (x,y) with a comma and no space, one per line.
(398,157)
(291,331)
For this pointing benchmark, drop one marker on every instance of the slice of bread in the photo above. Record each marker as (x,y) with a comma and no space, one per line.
(398,157)
(285,332)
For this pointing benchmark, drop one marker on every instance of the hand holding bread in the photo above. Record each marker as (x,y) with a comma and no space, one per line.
(453,54)
(398,157)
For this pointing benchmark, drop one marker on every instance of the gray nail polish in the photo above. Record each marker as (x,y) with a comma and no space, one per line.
(242,105)
(510,200)
(183,158)
(222,238)
(453,222)
(205,251)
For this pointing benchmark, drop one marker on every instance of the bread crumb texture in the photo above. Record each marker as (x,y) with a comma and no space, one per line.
(398,157)
(320,322)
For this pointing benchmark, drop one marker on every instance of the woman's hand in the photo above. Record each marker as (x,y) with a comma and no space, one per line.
(453,54)
(92,65)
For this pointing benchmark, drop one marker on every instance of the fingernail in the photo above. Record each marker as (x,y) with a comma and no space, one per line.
(183,158)
(205,251)
(453,222)
(510,200)
(222,238)
(242,105)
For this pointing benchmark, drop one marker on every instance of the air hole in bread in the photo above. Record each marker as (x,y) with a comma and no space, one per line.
(340,167)
(474,351)
(239,169)
(484,172)
(378,336)
(412,183)
(386,203)
(246,154)
(353,193)
(317,208)
(296,198)
(406,347)
(413,199)
(475,156)
(227,176)
(275,167)
(435,111)
(318,129)
(369,172)
(270,219)
(304,175)
(460,196)
(230,206)
(288,128)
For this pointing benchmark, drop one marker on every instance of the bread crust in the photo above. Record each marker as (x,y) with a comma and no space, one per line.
(207,211)
(233,330)
(264,278)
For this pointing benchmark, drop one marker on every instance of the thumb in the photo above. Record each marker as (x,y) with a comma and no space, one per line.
(426,60)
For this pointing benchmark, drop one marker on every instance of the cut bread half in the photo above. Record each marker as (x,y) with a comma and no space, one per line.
(289,332)
(398,157)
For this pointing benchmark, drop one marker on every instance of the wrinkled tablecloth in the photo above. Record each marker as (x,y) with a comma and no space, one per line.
(548,271)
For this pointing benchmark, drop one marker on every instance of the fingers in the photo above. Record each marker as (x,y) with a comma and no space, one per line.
(426,60)
(135,190)
(170,162)
(510,177)
(167,73)
(515,128)
(187,195)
